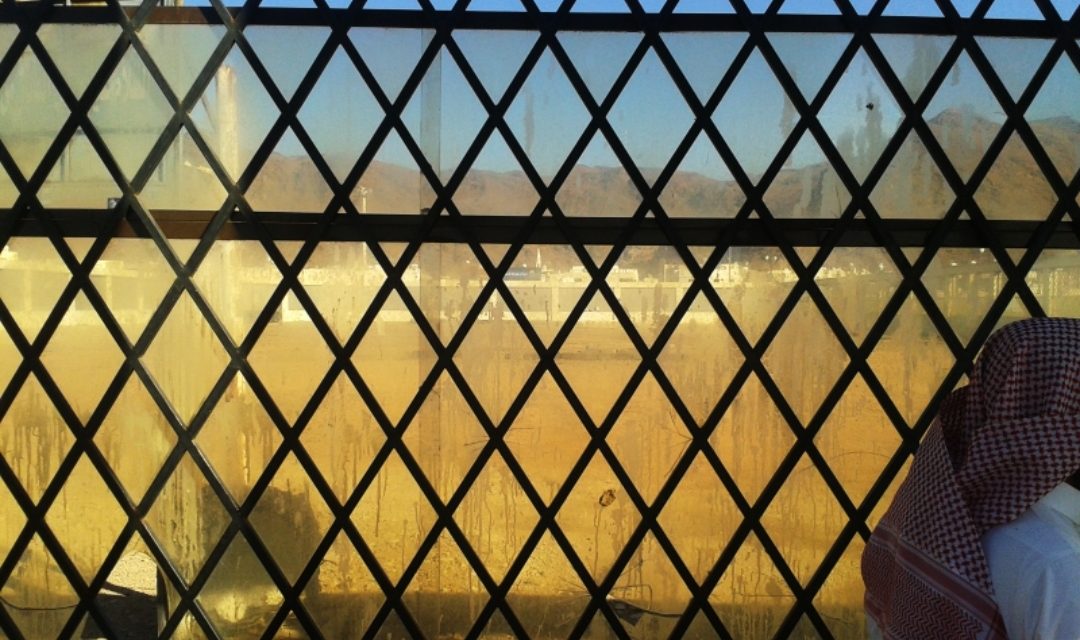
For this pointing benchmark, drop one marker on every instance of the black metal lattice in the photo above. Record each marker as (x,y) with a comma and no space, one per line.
(859,224)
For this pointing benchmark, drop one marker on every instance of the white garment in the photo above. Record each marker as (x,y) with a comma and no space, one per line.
(1035,567)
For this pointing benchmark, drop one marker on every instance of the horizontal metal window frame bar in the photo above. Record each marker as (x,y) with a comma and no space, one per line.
(496,229)
(283,16)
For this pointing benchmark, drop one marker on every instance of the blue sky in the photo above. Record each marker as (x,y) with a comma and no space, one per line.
(650,116)
(1012,9)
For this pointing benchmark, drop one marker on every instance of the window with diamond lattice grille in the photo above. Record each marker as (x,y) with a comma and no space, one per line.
(501,318)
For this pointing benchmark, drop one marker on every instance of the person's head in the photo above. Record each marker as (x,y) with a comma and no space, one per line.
(1017,435)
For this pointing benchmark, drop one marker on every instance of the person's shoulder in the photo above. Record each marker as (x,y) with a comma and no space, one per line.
(1029,530)
(1028,542)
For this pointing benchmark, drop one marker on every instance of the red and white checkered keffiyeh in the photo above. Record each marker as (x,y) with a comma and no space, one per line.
(998,445)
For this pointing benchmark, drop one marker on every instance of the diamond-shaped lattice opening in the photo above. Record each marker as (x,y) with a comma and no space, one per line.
(236,278)
(291,518)
(649,128)
(840,601)
(496,517)
(286,51)
(649,282)
(494,71)
(444,437)
(445,594)
(860,115)
(805,338)
(1054,281)
(182,180)
(700,359)
(547,438)
(340,134)
(703,58)
(913,57)
(445,280)
(547,303)
(33,113)
(85,518)
(290,358)
(648,438)
(752,283)
(444,129)
(31,279)
(238,438)
(700,518)
(393,517)
(130,133)
(181,51)
(964,283)
(1015,188)
(289,181)
(751,597)
(390,54)
(599,58)
(77,50)
(235,113)
(804,519)
(1022,10)
(36,596)
(548,597)
(600,627)
(547,116)
(701,626)
(341,278)
(912,186)
(239,597)
(649,594)
(1014,59)
(857,440)
(857,282)
(1055,117)
(497,627)
(392,182)
(809,71)
(496,358)
(808,186)
(34,438)
(495,183)
(598,518)
(598,185)
(964,116)
(755,97)
(394,357)
(752,439)
(82,357)
(597,358)
(185,358)
(342,437)
(132,277)
(135,421)
(187,518)
(911,360)
(702,186)
(925,8)
(189,627)
(79,179)
(343,597)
